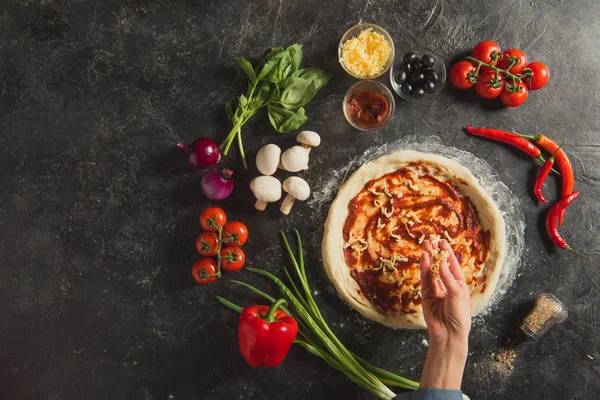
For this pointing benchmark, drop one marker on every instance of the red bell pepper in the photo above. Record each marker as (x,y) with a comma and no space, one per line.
(266,334)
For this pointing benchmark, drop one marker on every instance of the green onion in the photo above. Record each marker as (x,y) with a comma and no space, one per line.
(316,336)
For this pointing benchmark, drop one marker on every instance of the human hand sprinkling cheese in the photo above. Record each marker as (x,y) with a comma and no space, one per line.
(447,313)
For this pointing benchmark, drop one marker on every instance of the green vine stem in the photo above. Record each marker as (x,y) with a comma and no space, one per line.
(516,78)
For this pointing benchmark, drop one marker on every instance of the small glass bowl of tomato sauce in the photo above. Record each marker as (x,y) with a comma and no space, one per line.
(368,105)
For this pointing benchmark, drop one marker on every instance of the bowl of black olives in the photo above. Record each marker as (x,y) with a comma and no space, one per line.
(418,74)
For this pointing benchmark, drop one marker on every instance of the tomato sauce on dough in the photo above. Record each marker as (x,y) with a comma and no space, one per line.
(389,219)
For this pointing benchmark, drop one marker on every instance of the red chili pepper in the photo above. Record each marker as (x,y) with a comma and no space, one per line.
(509,138)
(266,334)
(567,176)
(541,178)
(552,219)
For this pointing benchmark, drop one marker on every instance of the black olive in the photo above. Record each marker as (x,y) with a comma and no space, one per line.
(406,88)
(428,60)
(429,86)
(410,57)
(417,77)
(401,76)
(417,92)
(417,64)
(432,76)
(406,67)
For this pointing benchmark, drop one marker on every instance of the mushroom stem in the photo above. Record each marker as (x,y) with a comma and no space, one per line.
(260,205)
(287,204)
(307,148)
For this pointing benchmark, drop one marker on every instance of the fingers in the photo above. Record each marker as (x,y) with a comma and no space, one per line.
(426,280)
(454,265)
(448,279)
(427,246)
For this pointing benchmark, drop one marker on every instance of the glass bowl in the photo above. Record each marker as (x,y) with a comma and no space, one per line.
(355,31)
(373,86)
(439,67)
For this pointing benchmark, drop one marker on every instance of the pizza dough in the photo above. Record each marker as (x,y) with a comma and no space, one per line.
(334,253)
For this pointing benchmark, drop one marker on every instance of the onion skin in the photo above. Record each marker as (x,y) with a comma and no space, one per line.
(217,185)
(203,153)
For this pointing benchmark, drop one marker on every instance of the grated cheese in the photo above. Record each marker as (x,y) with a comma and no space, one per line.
(395,236)
(450,240)
(387,213)
(366,54)
(380,224)
(357,244)
(374,192)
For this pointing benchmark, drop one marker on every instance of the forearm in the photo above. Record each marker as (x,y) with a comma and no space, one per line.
(445,364)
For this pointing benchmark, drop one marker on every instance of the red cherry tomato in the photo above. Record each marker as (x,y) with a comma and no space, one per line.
(235,234)
(216,214)
(460,74)
(540,76)
(487,51)
(207,244)
(233,259)
(510,54)
(514,99)
(202,269)
(487,87)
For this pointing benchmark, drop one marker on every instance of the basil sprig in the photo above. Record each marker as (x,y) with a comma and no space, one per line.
(278,84)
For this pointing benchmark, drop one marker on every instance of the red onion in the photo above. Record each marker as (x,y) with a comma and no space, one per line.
(203,153)
(216,184)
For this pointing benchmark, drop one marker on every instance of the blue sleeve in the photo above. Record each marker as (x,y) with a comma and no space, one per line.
(431,394)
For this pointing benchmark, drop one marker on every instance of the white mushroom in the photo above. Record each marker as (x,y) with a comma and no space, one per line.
(267,159)
(294,159)
(296,189)
(308,139)
(266,189)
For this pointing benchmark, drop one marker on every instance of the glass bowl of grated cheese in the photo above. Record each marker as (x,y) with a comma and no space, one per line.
(366,51)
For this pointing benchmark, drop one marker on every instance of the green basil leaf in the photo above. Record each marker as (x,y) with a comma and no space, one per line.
(281,70)
(229,111)
(302,87)
(270,61)
(295,121)
(261,95)
(243,100)
(314,74)
(278,115)
(275,94)
(297,55)
(285,120)
(247,68)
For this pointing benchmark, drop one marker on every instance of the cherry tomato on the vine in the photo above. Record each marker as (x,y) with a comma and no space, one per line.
(460,74)
(540,76)
(514,99)
(487,51)
(487,87)
(207,244)
(518,68)
(214,213)
(203,269)
(232,259)
(235,234)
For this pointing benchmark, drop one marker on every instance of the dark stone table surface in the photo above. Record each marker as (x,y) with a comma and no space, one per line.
(98,208)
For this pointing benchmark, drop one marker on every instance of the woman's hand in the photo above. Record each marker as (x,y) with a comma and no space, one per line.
(446,301)
(447,313)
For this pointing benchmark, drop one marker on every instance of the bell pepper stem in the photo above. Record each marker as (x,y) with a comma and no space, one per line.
(270,316)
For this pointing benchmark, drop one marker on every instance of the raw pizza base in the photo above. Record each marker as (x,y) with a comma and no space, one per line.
(333,256)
